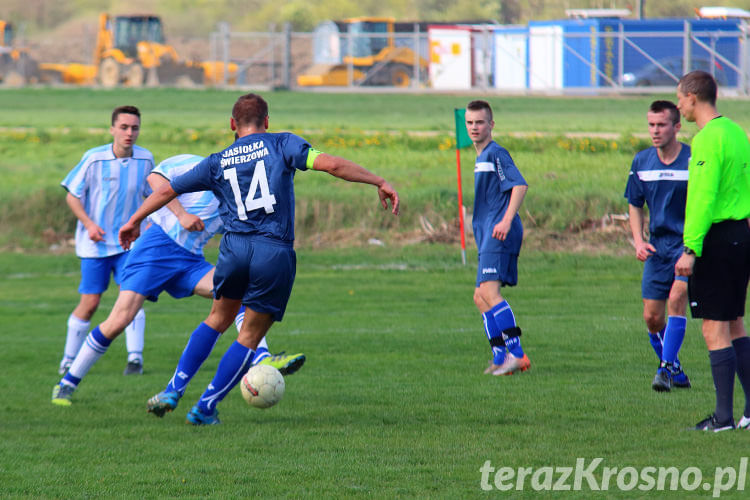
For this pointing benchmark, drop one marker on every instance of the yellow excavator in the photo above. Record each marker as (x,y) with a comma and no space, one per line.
(16,66)
(130,51)
(381,53)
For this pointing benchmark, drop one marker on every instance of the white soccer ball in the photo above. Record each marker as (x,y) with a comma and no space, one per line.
(262,386)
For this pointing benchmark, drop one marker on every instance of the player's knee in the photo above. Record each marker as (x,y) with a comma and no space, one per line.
(677,303)
(483,299)
(118,320)
(219,322)
(87,306)
(478,300)
(653,320)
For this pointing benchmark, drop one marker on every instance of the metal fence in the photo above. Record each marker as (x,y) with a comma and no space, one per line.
(497,59)
(539,58)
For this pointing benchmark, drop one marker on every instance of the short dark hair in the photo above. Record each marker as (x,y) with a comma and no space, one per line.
(250,109)
(659,106)
(125,110)
(701,84)
(479,105)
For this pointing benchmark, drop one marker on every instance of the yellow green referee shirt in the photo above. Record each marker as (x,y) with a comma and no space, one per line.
(719,179)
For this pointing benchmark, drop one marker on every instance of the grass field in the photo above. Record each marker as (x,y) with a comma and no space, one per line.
(408,139)
(392,402)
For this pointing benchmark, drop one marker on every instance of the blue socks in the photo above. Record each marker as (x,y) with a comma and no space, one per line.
(674,334)
(233,365)
(196,351)
(497,320)
(495,336)
(655,339)
(260,354)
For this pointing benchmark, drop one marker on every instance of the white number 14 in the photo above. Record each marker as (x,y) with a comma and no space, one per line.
(258,182)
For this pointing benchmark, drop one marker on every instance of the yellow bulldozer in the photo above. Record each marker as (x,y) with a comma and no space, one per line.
(130,51)
(365,51)
(16,66)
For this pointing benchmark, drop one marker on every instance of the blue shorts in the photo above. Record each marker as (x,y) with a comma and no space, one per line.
(95,272)
(658,276)
(498,266)
(257,270)
(157,264)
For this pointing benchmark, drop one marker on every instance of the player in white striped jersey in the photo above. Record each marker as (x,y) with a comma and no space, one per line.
(168,257)
(104,189)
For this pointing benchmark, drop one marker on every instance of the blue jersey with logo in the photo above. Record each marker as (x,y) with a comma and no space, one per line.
(664,189)
(495,175)
(253,180)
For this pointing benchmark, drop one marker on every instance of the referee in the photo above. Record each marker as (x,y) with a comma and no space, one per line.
(716,256)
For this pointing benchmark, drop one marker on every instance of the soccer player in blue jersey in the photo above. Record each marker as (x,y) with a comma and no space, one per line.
(499,190)
(104,190)
(169,257)
(658,177)
(254,181)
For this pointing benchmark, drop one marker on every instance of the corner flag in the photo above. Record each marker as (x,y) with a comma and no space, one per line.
(462,136)
(462,140)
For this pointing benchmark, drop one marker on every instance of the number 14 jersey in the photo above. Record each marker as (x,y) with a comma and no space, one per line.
(253,179)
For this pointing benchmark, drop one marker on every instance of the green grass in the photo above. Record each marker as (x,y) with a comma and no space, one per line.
(406,138)
(391,402)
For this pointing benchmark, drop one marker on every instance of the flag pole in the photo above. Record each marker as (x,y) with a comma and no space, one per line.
(462,140)
(460,206)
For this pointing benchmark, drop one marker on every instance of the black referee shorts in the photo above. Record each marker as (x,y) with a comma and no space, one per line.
(718,287)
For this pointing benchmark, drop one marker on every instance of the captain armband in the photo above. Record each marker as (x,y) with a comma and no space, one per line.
(312,153)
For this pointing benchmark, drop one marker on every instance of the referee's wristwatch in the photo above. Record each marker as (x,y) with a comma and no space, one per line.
(688,251)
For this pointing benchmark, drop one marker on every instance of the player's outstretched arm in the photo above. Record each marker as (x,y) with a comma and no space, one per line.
(132,228)
(352,172)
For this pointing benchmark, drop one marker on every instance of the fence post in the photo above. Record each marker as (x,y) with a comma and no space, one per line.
(349,52)
(224,34)
(272,55)
(621,52)
(286,60)
(686,47)
(744,55)
(416,67)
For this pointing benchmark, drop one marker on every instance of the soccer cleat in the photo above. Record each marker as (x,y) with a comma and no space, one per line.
(197,417)
(61,394)
(680,380)
(491,367)
(134,367)
(285,363)
(662,380)
(513,365)
(710,424)
(64,366)
(744,423)
(163,402)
